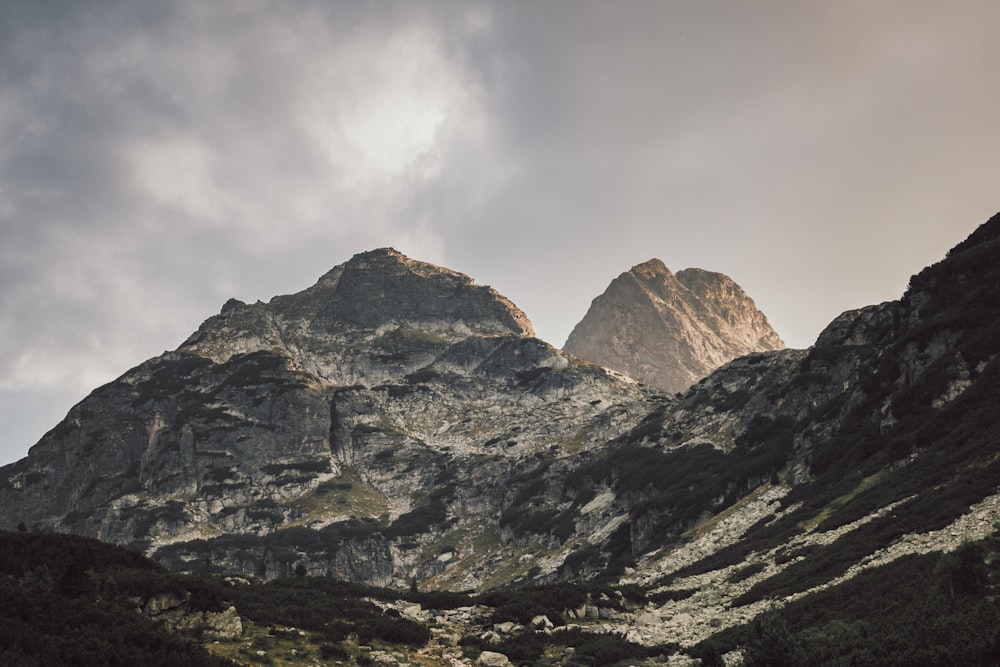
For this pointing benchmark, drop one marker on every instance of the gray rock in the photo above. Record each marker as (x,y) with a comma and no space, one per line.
(493,659)
(541,622)
(173,613)
(491,636)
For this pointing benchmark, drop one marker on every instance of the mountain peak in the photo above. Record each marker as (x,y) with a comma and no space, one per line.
(385,286)
(389,256)
(367,297)
(670,330)
(388,251)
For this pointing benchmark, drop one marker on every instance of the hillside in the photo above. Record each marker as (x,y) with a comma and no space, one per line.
(63,593)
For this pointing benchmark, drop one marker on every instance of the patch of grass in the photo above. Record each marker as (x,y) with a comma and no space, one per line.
(917,610)
(346,495)
(328,607)
(708,526)
(431,510)
(826,512)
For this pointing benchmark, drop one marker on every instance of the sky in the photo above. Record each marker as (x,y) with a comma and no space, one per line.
(157,159)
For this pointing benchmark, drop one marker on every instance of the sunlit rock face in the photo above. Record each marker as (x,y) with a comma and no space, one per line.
(670,330)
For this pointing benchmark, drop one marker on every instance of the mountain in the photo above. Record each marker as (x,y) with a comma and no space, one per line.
(785,502)
(668,330)
(372,426)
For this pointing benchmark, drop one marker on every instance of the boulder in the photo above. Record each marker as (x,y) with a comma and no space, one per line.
(493,659)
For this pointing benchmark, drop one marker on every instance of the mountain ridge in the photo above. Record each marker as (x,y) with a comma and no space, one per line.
(486,459)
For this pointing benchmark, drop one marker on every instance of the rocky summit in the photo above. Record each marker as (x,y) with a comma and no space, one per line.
(669,331)
(398,425)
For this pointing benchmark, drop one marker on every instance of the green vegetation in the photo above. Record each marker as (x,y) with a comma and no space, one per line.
(671,490)
(589,650)
(934,609)
(522,604)
(61,596)
(329,607)
(935,460)
(347,495)
(430,511)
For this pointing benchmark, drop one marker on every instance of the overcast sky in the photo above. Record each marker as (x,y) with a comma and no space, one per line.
(159,158)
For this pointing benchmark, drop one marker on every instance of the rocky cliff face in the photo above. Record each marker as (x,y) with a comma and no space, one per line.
(668,330)
(439,440)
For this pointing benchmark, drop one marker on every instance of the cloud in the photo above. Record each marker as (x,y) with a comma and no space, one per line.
(156,161)
(159,158)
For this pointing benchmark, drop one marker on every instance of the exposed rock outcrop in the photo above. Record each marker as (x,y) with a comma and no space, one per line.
(668,330)
(176,614)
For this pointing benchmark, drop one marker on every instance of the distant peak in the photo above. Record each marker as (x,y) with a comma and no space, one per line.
(651,276)
(669,330)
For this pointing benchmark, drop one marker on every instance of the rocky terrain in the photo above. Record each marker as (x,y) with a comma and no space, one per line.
(397,424)
(669,331)
(369,427)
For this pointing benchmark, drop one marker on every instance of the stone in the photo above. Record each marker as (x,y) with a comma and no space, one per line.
(541,622)
(493,659)
(506,627)
(491,637)
(223,625)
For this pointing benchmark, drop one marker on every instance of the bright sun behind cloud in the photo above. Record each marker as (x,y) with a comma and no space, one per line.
(383,121)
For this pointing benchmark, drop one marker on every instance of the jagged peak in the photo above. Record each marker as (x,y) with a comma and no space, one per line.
(388,259)
(387,251)
(371,293)
(397,276)
(652,266)
(652,277)
(669,329)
